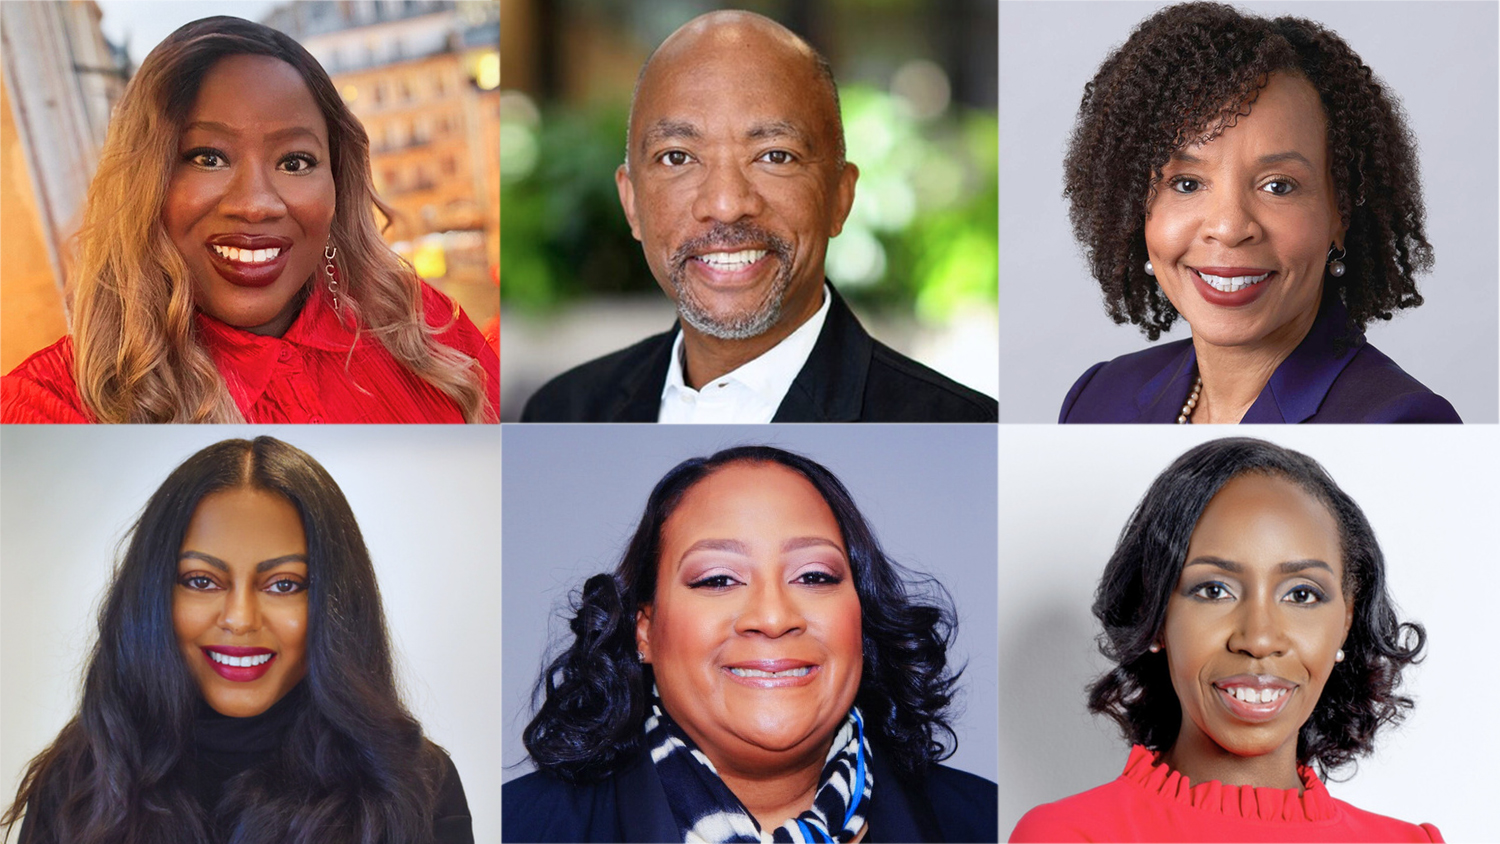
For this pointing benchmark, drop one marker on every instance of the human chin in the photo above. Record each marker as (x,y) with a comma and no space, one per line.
(729,315)
(251,308)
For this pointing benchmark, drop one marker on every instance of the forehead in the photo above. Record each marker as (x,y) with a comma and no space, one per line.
(752,502)
(1287,116)
(1265,520)
(245,525)
(249,92)
(730,78)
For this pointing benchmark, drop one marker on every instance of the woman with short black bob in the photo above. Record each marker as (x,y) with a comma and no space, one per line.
(755,669)
(241,688)
(1255,178)
(1255,649)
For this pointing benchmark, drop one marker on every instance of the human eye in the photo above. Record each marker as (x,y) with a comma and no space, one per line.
(1213,590)
(206,157)
(1305,594)
(1279,186)
(818,578)
(1184,184)
(777,156)
(713,581)
(297,162)
(674,158)
(197,582)
(285,586)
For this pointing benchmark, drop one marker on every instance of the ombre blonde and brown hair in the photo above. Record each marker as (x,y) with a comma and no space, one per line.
(137,353)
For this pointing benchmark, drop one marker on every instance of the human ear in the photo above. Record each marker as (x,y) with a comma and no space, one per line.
(843,198)
(643,633)
(627,199)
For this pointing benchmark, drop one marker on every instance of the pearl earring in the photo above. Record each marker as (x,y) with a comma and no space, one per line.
(1336,262)
(1150,270)
(1338,655)
(1155,648)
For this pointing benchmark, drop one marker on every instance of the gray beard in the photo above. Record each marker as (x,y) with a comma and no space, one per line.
(741,326)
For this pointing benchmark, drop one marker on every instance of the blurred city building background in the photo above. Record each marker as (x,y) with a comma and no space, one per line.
(917,260)
(422,75)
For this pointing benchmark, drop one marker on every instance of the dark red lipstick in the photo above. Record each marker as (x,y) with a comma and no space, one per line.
(243,673)
(248,273)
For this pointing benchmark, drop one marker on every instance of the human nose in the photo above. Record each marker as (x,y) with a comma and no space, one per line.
(252,195)
(771,612)
(1258,631)
(726,195)
(240,613)
(1230,218)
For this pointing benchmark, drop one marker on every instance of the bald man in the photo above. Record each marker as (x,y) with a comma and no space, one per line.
(734,180)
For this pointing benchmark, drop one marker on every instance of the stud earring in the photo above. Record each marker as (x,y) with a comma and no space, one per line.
(1150,270)
(1155,648)
(1338,655)
(1336,262)
(329,252)
(640,657)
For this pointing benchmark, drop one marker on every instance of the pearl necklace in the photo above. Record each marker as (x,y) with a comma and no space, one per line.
(1192,401)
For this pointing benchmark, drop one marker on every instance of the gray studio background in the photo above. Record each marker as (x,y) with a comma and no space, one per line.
(573,495)
(426,498)
(1432,500)
(1440,60)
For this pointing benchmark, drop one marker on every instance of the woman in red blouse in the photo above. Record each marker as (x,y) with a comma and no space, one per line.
(230,268)
(1246,611)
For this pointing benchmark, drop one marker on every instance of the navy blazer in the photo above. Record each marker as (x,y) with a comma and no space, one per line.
(948,805)
(849,377)
(1312,385)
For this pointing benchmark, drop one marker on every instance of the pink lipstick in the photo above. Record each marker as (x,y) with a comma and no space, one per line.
(1254,697)
(772,673)
(239,665)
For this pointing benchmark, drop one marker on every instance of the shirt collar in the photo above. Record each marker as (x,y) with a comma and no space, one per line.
(769,376)
(248,361)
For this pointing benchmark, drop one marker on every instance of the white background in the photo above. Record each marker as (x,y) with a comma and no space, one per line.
(427,499)
(1433,498)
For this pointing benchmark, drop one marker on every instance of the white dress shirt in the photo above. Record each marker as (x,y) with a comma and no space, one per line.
(748,394)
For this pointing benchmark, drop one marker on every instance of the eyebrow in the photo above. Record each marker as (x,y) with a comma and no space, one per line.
(1271,158)
(735,546)
(260,567)
(226,129)
(778,129)
(663,129)
(1288,567)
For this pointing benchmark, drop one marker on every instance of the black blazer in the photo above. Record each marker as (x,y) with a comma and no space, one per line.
(631,806)
(849,377)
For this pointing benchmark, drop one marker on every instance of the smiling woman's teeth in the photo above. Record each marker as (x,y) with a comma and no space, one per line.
(755,672)
(240,661)
(731,261)
(247,256)
(1229,284)
(1245,694)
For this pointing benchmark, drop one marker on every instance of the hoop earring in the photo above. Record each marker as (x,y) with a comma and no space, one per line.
(329,252)
(1336,262)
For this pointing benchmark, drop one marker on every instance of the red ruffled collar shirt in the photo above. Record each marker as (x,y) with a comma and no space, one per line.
(306,375)
(1152,802)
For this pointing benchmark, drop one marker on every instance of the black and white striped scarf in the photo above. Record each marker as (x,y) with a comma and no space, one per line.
(706,810)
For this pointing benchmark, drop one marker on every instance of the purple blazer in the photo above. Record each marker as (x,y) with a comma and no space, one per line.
(1311,385)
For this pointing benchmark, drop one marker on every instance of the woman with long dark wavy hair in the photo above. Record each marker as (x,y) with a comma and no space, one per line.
(1256,649)
(241,689)
(230,266)
(755,669)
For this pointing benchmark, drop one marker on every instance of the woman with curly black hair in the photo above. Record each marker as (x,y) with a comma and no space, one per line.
(1255,649)
(241,689)
(755,669)
(1255,178)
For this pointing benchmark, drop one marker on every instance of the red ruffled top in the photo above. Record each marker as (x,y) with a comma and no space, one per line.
(306,375)
(1152,802)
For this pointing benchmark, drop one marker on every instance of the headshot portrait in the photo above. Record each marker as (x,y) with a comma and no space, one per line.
(732,637)
(225,646)
(228,261)
(737,195)
(1257,196)
(1240,639)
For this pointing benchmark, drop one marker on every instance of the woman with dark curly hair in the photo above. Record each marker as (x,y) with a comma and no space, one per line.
(241,689)
(1255,648)
(1255,178)
(755,669)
